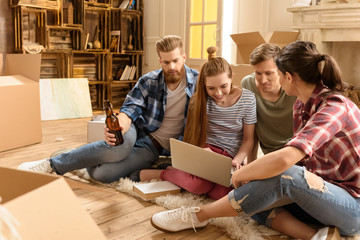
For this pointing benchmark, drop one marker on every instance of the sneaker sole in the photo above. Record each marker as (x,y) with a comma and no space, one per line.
(169,231)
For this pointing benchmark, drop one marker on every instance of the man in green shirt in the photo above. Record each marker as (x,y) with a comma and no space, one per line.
(274,108)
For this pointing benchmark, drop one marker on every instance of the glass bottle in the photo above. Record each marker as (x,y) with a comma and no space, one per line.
(112,122)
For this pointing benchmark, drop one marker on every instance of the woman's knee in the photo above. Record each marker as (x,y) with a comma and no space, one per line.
(293,171)
(218,191)
(199,190)
(294,175)
(197,185)
(290,175)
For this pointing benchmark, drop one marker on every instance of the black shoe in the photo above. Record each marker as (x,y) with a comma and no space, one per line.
(135,175)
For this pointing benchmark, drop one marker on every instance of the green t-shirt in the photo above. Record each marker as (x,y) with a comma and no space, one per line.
(274,125)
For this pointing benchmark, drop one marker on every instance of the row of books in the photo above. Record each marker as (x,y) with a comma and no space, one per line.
(128,73)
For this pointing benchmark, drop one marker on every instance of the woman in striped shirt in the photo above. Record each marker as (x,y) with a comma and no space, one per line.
(221,118)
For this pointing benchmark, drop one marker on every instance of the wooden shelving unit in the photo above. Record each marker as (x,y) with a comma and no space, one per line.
(93,39)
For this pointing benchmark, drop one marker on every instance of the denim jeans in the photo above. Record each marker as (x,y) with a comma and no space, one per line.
(107,163)
(330,206)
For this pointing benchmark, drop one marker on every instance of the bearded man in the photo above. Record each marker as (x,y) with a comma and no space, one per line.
(153,112)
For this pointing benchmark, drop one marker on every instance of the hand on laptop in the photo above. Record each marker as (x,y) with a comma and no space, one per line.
(208,149)
(235,183)
(236,164)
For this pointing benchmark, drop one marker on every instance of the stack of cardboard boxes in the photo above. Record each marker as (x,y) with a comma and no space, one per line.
(44,206)
(20,122)
(95,128)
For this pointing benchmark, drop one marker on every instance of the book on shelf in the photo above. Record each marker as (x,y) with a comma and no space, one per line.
(132,73)
(127,77)
(124,4)
(125,73)
(115,41)
(131,4)
(149,191)
(86,41)
(118,72)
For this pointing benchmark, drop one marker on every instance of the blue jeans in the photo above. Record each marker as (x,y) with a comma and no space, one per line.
(107,163)
(330,206)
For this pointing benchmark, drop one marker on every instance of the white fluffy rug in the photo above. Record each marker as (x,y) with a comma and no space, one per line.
(242,228)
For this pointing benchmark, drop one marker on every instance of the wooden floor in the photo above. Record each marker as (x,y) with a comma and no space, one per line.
(118,215)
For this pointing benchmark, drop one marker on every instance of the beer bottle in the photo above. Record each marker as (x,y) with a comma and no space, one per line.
(112,122)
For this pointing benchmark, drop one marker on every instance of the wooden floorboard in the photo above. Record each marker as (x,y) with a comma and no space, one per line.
(117,214)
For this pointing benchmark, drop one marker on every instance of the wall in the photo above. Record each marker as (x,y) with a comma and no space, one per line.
(279,18)
(161,18)
(263,16)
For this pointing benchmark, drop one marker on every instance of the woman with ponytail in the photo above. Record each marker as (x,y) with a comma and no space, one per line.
(310,189)
(221,118)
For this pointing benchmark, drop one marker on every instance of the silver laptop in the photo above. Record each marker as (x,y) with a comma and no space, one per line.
(211,166)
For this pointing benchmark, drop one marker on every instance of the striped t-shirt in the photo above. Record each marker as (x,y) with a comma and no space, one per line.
(225,125)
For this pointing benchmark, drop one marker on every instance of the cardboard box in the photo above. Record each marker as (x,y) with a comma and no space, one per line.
(20,123)
(96,128)
(149,191)
(247,42)
(45,207)
(240,71)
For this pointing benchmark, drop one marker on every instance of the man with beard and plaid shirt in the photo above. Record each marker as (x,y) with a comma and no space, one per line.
(153,112)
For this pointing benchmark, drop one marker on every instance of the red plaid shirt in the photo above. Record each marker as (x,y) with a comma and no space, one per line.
(328,131)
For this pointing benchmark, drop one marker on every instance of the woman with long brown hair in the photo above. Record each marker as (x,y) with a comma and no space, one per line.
(221,118)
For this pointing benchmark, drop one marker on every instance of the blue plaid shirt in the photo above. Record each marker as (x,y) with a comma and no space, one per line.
(145,103)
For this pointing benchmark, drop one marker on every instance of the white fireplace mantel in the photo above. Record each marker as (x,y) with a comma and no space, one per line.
(335,29)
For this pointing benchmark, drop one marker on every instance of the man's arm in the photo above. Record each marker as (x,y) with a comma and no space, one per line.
(125,122)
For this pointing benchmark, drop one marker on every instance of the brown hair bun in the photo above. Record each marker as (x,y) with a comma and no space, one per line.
(211,52)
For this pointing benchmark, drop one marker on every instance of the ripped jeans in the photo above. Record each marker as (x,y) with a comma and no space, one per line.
(328,204)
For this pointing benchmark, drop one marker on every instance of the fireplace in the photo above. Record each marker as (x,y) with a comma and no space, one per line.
(335,29)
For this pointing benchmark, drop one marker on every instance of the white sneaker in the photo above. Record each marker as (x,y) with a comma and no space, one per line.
(177,220)
(40,166)
(327,233)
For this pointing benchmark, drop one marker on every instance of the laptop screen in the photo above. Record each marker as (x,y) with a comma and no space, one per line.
(203,163)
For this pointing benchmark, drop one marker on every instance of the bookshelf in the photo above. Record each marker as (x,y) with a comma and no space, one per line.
(95,39)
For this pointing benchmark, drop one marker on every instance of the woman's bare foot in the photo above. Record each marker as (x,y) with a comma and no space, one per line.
(149,174)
